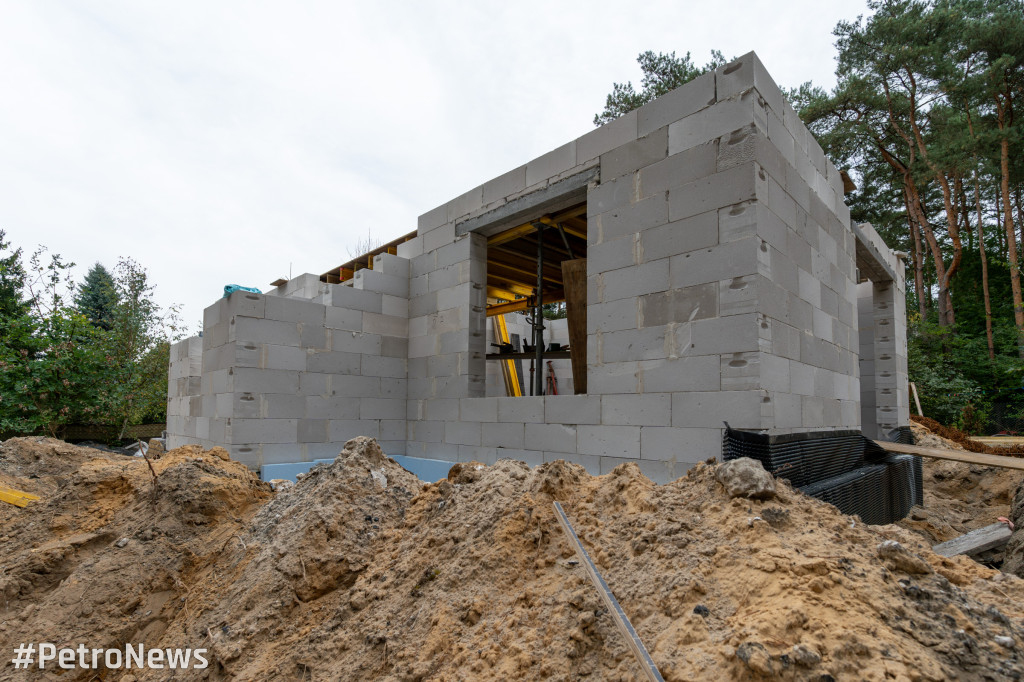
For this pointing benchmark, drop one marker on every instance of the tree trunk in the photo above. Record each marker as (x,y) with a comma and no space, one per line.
(1011,233)
(984,269)
(962,208)
(918,255)
(941,279)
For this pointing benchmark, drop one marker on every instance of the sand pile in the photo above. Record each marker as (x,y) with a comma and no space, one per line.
(361,572)
(104,557)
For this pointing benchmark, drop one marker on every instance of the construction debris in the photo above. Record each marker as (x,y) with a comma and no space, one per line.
(977,541)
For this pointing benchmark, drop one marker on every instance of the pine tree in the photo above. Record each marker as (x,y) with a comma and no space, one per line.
(662,73)
(97,297)
(12,282)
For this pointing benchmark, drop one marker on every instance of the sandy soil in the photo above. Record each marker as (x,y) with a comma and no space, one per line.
(360,572)
(958,497)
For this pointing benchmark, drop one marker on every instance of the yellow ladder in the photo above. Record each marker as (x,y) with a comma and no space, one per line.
(508,367)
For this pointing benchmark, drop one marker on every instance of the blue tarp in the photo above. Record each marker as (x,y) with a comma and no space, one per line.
(231,288)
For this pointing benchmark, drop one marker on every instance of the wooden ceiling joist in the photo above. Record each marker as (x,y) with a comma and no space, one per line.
(365,261)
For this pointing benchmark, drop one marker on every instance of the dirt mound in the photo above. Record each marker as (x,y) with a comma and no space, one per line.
(104,555)
(958,497)
(361,572)
(965,441)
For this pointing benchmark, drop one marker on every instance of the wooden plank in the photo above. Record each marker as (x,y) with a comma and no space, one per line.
(621,620)
(574,277)
(975,542)
(956,455)
(512,287)
(999,441)
(523,266)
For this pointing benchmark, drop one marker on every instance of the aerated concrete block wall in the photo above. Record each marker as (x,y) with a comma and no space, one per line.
(721,285)
(885,399)
(285,379)
(184,382)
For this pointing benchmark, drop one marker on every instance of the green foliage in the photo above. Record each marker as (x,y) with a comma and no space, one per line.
(136,349)
(662,73)
(914,113)
(97,297)
(57,367)
(12,282)
(944,390)
(555,311)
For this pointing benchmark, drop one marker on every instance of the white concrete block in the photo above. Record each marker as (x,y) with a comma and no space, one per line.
(524,409)
(553,163)
(606,138)
(710,123)
(647,409)
(462,433)
(478,409)
(690,97)
(572,409)
(294,310)
(264,430)
(502,435)
(332,362)
(680,444)
(382,366)
(343,430)
(555,437)
(742,409)
(613,441)
(396,306)
(696,373)
(381,408)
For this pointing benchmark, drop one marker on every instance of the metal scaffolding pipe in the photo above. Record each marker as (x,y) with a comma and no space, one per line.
(538,328)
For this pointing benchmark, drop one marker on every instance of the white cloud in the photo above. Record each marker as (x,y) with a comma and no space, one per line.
(220,142)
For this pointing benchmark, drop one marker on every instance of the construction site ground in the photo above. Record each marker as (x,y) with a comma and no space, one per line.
(363,572)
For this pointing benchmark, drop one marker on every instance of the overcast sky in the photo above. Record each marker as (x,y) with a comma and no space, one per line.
(223,142)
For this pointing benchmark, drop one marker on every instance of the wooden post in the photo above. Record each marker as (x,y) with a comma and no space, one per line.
(574,278)
(913,389)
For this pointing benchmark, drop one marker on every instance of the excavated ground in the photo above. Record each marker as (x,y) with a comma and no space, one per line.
(958,497)
(361,572)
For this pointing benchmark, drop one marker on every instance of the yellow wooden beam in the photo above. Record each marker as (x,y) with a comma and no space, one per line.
(511,235)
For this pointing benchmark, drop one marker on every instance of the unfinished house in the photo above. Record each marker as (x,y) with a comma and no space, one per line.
(701,249)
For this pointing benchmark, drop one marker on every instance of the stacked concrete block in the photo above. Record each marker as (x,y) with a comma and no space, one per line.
(306,286)
(286,377)
(447,323)
(537,429)
(866,359)
(885,403)
(184,390)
